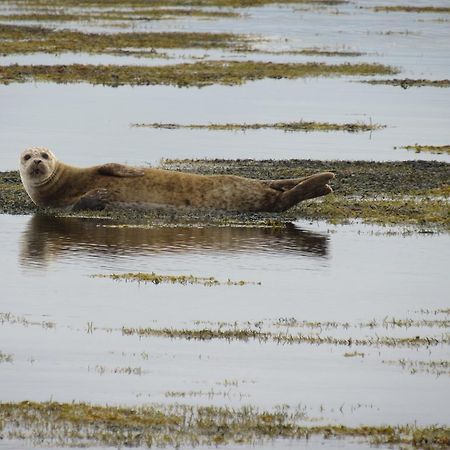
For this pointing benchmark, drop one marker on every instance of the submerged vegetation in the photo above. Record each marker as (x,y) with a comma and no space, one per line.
(390,193)
(436,149)
(73,424)
(154,278)
(196,74)
(407,83)
(285,126)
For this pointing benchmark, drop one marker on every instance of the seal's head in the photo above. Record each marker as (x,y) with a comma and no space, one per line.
(36,165)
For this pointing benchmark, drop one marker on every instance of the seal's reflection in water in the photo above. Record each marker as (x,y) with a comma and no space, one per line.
(52,238)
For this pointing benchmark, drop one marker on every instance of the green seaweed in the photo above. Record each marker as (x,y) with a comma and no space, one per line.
(196,74)
(285,126)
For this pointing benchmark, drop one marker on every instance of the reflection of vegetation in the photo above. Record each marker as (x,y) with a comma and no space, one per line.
(172,279)
(407,83)
(72,424)
(196,74)
(436,149)
(413,9)
(33,39)
(285,126)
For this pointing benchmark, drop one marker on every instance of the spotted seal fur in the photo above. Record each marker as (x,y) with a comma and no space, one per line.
(51,183)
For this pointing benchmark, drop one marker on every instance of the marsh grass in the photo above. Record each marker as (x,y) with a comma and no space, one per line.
(156,279)
(73,424)
(183,75)
(284,126)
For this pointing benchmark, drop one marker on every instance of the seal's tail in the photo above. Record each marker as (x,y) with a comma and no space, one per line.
(305,188)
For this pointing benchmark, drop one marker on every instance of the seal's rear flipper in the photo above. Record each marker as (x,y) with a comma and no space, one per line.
(312,187)
(119,170)
(285,184)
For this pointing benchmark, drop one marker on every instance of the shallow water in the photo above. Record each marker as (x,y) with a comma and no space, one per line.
(87,125)
(309,272)
(63,328)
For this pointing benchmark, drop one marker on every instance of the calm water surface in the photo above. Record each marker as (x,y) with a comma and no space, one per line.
(63,328)
(88,125)
(308,272)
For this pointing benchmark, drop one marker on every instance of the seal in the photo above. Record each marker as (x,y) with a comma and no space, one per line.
(51,183)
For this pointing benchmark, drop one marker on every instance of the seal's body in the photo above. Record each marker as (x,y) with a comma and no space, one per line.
(49,182)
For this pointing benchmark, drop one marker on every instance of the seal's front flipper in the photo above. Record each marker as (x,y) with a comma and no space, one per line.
(119,170)
(94,200)
(314,186)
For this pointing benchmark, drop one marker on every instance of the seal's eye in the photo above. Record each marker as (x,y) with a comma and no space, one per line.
(44,155)
(27,157)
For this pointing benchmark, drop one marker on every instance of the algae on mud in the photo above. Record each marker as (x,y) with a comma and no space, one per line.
(190,74)
(65,424)
(34,39)
(390,193)
(285,126)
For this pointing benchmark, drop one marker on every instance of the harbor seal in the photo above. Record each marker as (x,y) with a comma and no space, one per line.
(51,183)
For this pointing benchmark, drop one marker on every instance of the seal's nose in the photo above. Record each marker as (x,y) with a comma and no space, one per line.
(37,161)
